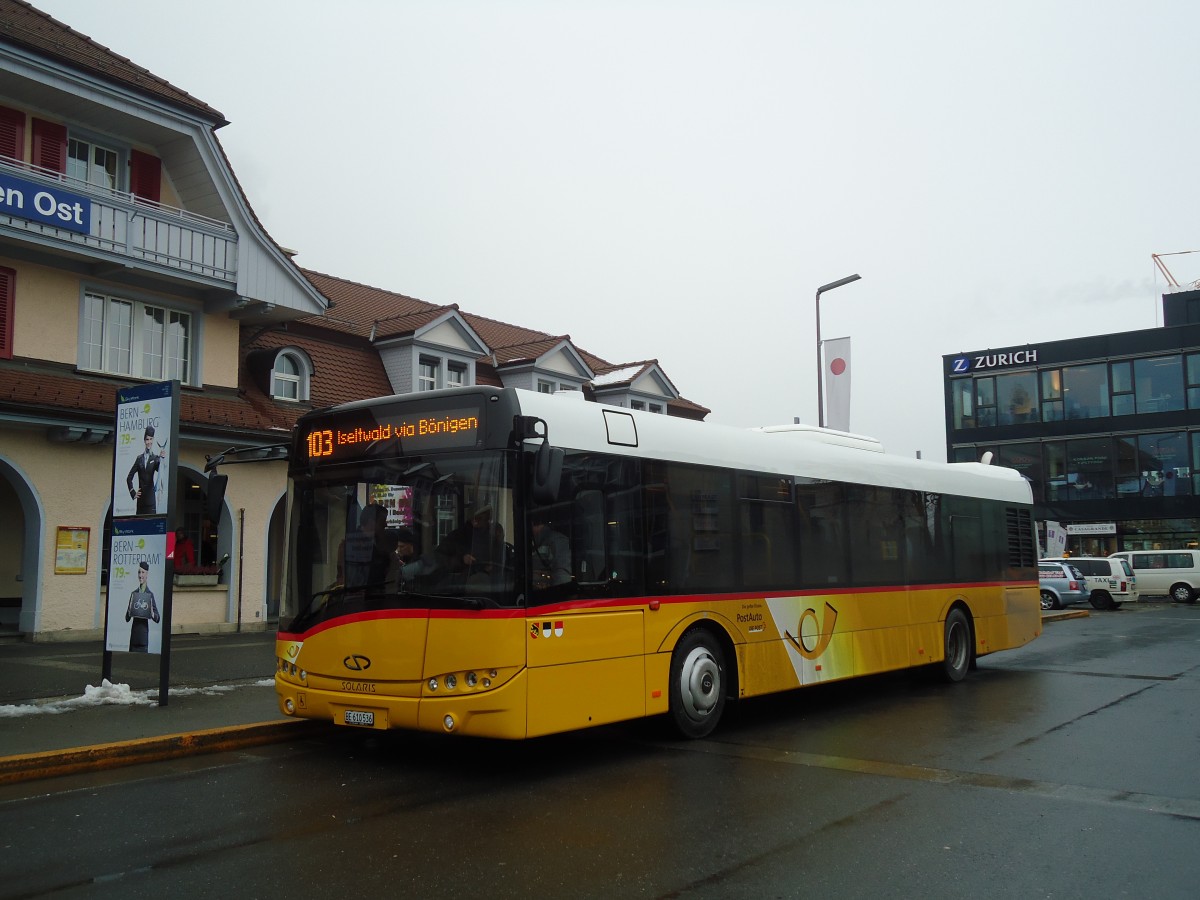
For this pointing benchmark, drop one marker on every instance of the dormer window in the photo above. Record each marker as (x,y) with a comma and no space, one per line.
(427,380)
(291,375)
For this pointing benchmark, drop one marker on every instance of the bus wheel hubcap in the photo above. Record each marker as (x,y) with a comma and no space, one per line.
(700,683)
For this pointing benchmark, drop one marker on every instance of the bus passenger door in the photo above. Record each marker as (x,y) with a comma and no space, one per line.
(585,668)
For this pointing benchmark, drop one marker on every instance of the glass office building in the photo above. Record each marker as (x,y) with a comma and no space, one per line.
(1106,428)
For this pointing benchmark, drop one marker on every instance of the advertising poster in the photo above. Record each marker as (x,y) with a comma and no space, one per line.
(136,581)
(140,468)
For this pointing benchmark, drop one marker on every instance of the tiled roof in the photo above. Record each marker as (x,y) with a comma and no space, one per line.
(344,370)
(93,400)
(357,307)
(527,351)
(23,25)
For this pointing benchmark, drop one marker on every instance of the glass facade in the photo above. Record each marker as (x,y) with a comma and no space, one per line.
(1106,430)
(1153,384)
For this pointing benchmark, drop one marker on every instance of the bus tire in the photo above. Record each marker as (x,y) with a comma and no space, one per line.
(697,688)
(1183,593)
(958,647)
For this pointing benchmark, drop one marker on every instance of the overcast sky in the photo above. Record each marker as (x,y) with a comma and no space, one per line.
(673,180)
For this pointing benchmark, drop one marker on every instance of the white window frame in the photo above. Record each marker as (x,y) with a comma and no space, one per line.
(93,174)
(429,372)
(285,384)
(119,336)
(434,371)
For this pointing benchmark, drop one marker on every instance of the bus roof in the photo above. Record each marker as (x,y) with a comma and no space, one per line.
(785,450)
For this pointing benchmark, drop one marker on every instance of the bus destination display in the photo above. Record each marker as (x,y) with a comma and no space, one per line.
(332,441)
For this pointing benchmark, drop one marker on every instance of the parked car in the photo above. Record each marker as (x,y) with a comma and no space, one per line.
(1062,584)
(1110,581)
(1167,573)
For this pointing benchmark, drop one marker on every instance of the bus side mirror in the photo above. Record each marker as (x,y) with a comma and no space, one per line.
(547,474)
(215,501)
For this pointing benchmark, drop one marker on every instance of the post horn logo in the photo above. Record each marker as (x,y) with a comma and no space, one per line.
(823,636)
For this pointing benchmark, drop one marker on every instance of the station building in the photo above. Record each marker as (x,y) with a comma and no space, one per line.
(129,254)
(1106,428)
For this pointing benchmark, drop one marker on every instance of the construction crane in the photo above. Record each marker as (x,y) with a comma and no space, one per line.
(1162,266)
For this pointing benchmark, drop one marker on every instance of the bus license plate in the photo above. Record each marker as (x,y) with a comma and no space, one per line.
(359,717)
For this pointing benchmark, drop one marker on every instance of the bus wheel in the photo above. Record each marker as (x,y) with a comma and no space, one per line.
(1183,593)
(957,659)
(697,684)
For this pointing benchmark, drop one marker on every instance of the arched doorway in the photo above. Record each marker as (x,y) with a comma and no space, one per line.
(20,551)
(276,558)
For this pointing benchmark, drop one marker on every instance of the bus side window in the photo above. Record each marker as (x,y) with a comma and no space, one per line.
(589,537)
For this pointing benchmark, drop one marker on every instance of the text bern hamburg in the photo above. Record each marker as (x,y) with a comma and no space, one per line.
(964,364)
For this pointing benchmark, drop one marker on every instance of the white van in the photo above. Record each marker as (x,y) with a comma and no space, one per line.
(1110,581)
(1169,573)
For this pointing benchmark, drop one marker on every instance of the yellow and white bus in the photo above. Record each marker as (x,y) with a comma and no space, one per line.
(503,563)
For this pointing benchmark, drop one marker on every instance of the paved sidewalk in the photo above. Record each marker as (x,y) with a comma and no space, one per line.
(57,716)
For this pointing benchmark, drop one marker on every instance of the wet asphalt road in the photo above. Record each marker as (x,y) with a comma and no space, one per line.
(1064,769)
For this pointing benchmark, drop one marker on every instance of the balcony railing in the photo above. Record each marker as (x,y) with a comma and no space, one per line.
(163,236)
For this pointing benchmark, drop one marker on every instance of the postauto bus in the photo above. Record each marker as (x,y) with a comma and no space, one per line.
(503,563)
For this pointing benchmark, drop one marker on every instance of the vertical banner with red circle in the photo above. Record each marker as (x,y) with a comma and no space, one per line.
(837,383)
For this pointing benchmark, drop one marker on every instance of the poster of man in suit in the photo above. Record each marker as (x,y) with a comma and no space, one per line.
(140,483)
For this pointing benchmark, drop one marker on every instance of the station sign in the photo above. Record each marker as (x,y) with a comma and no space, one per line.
(46,204)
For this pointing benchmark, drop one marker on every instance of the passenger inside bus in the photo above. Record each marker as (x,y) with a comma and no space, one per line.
(475,550)
(411,566)
(366,555)
(550,560)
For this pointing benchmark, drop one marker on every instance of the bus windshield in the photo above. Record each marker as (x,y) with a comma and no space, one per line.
(413,532)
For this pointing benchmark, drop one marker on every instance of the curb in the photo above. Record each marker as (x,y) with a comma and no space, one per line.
(52,763)
(1058,615)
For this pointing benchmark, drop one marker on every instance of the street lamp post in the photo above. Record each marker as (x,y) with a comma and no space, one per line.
(820,365)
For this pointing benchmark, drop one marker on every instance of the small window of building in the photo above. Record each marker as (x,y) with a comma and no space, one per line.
(291,376)
(93,164)
(456,375)
(427,375)
(1052,398)
(985,401)
(1193,380)
(545,387)
(1159,384)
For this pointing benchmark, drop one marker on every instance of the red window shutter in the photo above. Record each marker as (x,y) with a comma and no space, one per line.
(12,133)
(49,145)
(8,283)
(145,175)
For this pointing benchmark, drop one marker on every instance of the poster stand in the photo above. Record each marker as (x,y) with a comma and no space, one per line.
(141,559)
